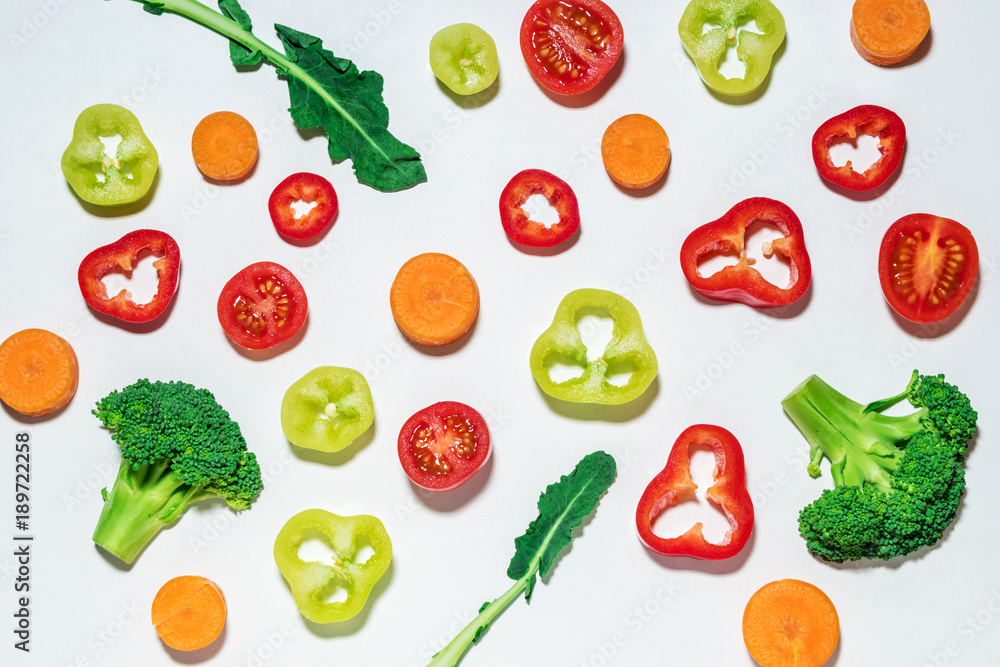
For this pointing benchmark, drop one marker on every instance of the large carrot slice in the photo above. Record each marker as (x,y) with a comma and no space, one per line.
(886,32)
(790,623)
(636,151)
(224,146)
(434,299)
(38,372)
(189,612)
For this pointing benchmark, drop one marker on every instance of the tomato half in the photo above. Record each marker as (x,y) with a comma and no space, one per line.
(262,305)
(927,266)
(443,445)
(569,45)
(306,187)
(519,225)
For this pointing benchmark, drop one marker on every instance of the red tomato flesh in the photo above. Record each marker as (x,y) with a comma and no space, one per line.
(443,445)
(305,187)
(520,227)
(262,305)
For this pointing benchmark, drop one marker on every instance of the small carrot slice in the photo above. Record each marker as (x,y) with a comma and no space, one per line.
(636,151)
(434,299)
(886,32)
(790,623)
(39,372)
(189,612)
(224,146)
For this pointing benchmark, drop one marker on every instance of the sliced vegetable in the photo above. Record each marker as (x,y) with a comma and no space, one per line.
(314,582)
(327,408)
(927,266)
(870,120)
(674,483)
(224,146)
(109,180)
(262,305)
(307,188)
(636,151)
(434,299)
(189,612)
(518,223)
(122,254)
(464,57)
(886,32)
(570,45)
(790,623)
(741,282)
(39,372)
(443,445)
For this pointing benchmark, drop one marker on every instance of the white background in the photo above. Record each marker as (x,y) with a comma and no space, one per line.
(451,551)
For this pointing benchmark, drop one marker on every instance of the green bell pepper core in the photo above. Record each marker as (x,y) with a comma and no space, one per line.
(312,582)
(627,351)
(708,47)
(109,180)
(327,409)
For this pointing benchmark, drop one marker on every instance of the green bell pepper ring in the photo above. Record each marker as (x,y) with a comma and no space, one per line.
(627,352)
(327,408)
(103,179)
(312,581)
(725,17)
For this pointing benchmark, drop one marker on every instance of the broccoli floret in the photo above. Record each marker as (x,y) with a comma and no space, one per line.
(178,446)
(899,480)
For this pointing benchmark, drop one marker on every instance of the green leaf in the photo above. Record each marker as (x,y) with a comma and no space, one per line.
(239,54)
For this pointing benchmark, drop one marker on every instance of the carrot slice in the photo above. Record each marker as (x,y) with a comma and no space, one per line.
(224,146)
(189,612)
(886,32)
(434,299)
(790,623)
(636,151)
(38,372)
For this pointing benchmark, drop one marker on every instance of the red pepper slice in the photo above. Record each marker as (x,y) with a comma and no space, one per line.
(674,482)
(741,282)
(305,187)
(516,221)
(123,254)
(870,120)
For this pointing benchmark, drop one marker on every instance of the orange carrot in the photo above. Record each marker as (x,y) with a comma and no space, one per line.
(224,146)
(636,151)
(434,299)
(790,623)
(38,372)
(886,32)
(189,612)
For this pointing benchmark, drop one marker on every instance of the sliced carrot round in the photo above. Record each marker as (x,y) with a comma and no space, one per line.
(434,299)
(886,32)
(224,146)
(636,151)
(790,623)
(189,612)
(39,372)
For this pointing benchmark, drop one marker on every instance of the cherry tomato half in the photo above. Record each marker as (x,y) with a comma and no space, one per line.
(569,45)
(519,225)
(927,266)
(262,305)
(443,445)
(305,187)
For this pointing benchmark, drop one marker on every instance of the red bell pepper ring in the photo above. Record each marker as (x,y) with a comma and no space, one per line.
(674,483)
(870,120)
(516,221)
(306,187)
(741,282)
(123,254)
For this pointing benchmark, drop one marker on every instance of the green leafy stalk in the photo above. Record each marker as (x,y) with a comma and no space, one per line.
(561,508)
(326,91)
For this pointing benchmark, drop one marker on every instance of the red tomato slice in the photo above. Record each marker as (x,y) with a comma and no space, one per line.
(305,187)
(927,266)
(569,45)
(262,305)
(520,227)
(443,445)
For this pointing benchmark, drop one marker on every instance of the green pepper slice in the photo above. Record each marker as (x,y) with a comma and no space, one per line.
(103,179)
(312,581)
(627,352)
(708,27)
(327,408)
